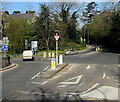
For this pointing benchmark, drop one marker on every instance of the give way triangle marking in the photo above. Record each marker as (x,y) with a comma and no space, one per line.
(67,82)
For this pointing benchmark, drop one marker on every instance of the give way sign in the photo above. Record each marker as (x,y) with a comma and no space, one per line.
(56,37)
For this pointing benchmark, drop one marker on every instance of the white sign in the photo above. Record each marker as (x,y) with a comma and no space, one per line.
(34,44)
(56,37)
(5,41)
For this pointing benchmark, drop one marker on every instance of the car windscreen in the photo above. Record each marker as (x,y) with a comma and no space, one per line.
(28,53)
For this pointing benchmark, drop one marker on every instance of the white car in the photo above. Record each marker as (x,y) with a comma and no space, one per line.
(70,52)
(28,54)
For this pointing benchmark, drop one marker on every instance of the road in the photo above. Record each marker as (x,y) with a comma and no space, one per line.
(85,73)
(17,79)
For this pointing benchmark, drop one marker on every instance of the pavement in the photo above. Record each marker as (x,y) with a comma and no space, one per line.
(51,72)
(104,92)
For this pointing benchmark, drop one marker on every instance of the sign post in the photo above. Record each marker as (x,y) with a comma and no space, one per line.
(56,37)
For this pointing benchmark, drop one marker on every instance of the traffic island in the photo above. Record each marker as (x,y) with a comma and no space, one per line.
(51,72)
(8,67)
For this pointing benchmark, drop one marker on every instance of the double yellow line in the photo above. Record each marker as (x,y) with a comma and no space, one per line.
(7,69)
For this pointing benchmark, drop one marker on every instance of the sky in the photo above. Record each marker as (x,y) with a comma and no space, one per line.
(29,6)
(15,5)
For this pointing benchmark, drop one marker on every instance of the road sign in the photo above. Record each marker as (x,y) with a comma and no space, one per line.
(56,37)
(5,41)
(4,48)
(34,44)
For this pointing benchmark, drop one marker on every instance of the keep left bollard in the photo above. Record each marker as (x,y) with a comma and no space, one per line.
(98,48)
(61,59)
(49,55)
(53,63)
(44,55)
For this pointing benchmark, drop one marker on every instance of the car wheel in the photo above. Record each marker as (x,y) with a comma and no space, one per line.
(33,59)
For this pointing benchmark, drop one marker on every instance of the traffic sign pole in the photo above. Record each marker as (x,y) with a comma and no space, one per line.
(56,51)
(56,37)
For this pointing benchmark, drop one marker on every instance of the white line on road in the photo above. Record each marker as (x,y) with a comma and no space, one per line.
(35,76)
(104,75)
(82,83)
(108,77)
(35,83)
(24,92)
(44,82)
(76,82)
(88,67)
(46,68)
(72,66)
(90,88)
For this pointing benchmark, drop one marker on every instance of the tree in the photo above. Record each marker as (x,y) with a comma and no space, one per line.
(90,11)
(17,30)
(44,27)
(68,20)
(115,30)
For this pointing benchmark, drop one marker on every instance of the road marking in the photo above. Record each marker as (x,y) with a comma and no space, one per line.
(76,82)
(90,88)
(35,82)
(33,93)
(72,66)
(104,75)
(108,77)
(35,76)
(88,67)
(46,68)
(25,92)
(44,82)
(82,83)
(10,68)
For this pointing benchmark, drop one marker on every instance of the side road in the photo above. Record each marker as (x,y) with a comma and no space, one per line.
(89,48)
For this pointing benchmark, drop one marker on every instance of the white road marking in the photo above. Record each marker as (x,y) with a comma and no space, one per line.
(35,83)
(25,92)
(104,75)
(76,82)
(108,77)
(46,68)
(88,67)
(90,88)
(74,94)
(82,83)
(35,76)
(44,82)
(72,66)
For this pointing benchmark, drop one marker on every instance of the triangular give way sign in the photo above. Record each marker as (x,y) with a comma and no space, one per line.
(56,37)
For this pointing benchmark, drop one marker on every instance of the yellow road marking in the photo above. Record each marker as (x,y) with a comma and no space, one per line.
(10,68)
